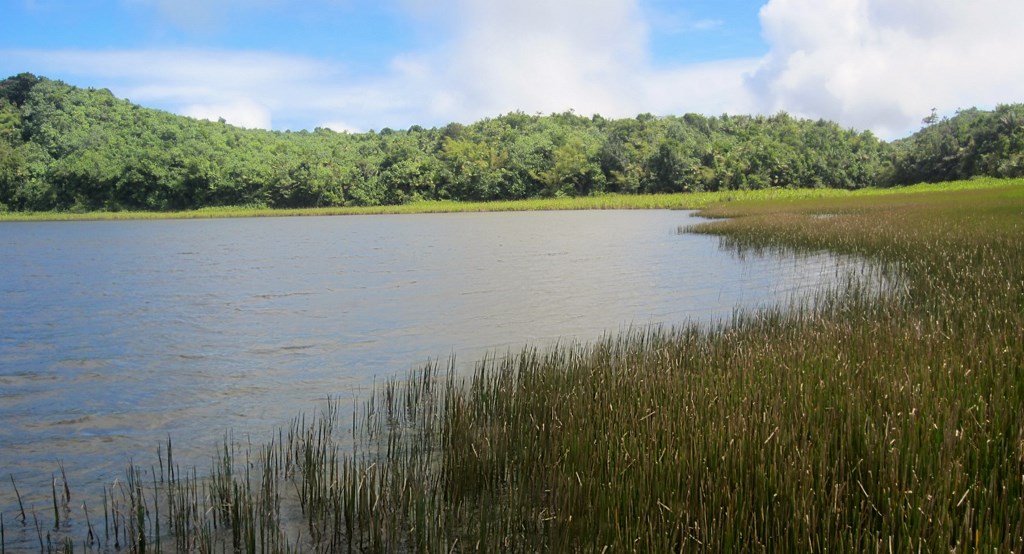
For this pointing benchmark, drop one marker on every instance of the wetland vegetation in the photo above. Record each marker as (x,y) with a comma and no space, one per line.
(673,201)
(882,416)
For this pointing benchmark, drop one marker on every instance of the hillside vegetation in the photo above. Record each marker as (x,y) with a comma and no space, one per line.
(64,148)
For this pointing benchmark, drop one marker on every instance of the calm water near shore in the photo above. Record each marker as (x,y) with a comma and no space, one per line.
(116,335)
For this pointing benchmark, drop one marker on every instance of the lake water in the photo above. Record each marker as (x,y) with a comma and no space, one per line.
(115,335)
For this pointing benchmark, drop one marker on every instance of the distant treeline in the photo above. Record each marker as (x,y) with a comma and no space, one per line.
(68,148)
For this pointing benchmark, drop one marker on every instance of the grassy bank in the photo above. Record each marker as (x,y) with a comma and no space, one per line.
(615,201)
(692,201)
(868,420)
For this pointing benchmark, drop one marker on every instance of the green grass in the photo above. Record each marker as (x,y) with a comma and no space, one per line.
(649,201)
(613,201)
(875,418)
(693,201)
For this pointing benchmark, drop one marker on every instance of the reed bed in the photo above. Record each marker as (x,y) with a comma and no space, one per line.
(597,202)
(883,415)
(691,201)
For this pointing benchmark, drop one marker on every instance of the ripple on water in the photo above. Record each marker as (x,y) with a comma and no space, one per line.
(126,333)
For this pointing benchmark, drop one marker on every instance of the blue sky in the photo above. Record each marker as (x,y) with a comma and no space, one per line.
(356,65)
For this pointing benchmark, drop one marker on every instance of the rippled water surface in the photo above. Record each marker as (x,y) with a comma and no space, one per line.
(117,334)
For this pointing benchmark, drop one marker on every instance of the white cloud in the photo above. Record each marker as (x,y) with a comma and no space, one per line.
(531,55)
(869,64)
(710,88)
(883,64)
(705,24)
(340,127)
(589,56)
(246,69)
(242,112)
(201,16)
(245,88)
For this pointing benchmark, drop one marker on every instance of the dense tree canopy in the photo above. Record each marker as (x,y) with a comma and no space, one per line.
(974,142)
(68,148)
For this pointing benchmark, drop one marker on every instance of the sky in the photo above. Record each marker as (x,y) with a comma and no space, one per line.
(357,65)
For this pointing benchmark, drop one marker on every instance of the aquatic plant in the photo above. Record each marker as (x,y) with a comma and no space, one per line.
(884,415)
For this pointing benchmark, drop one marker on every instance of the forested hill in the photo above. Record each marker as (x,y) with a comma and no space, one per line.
(68,148)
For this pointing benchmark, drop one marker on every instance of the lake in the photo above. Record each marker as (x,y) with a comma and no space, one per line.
(118,334)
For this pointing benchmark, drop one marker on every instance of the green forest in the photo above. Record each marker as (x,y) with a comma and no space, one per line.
(65,148)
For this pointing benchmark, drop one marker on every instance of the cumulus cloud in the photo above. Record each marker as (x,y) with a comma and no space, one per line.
(340,127)
(591,56)
(242,112)
(883,64)
(869,64)
(546,56)
(710,88)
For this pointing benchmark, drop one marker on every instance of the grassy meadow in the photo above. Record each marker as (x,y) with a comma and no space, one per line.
(883,416)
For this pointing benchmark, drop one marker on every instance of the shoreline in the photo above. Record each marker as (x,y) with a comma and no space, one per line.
(674,201)
(825,424)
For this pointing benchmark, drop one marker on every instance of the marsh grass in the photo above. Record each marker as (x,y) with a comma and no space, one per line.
(691,201)
(610,201)
(870,418)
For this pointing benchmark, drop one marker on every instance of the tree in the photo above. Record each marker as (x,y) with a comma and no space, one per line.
(63,147)
(668,168)
(573,169)
(16,89)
